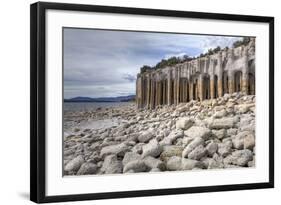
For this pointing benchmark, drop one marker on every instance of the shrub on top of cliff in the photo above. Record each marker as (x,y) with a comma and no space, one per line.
(166,62)
(244,41)
(210,52)
(217,49)
(145,68)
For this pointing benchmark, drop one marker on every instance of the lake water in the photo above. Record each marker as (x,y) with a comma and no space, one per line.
(89,106)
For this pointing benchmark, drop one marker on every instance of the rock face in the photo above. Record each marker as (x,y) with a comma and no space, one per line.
(202,78)
(212,134)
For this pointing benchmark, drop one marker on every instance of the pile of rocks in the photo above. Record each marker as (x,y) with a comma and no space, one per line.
(212,134)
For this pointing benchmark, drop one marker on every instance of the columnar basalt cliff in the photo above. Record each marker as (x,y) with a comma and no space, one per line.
(228,71)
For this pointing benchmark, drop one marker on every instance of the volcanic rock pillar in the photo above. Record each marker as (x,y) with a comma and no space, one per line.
(245,72)
(169,89)
(178,87)
(201,87)
(148,91)
(231,86)
(212,86)
(190,89)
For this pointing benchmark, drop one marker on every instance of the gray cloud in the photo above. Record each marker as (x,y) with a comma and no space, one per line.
(130,78)
(102,63)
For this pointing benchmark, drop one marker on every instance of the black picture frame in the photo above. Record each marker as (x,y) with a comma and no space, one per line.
(38,101)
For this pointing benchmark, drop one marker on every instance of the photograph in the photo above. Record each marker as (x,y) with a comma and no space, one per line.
(142,101)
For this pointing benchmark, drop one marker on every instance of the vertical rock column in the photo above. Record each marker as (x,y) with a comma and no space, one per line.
(220,76)
(175,86)
(160,93)
(143,91)
(164,92)
(139,91)
(148,92)
(152,96)
(169,91)
(212,86)
(201,87)
(178,87)
(231,85)
(245,72)
(191,94)
(230,74)
(184,90)
(156,93)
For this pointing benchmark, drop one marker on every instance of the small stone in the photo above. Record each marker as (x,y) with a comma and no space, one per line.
(138,148)
(244,108)
(146,136)
(175,134)
(239,157)
(87,168)
(212,148)
(197,153)
(130,156)
(119,150)
(189,164)
(223,123)
(95,158)
(238,140)
(220,134)
(213,164)
(111,165)
(249,142)
(252,163)
(192,145)
(184,123)
(76,129)
(231,132)
(220,114)
(74,164)
(155,170)
(153,163)
(196,131)
(186,141)
(170,151)
(153,148)
(136,166)
(174,163)
(224,148)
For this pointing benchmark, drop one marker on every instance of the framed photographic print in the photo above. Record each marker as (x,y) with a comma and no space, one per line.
(129,102)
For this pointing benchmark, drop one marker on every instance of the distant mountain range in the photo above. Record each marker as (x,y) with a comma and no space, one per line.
(102,99)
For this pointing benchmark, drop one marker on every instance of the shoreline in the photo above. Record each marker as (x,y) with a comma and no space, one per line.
(213,134)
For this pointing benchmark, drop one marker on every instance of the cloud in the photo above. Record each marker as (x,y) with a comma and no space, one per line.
(102,63)
(129,77)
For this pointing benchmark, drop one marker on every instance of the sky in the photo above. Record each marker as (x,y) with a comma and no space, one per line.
(105,63)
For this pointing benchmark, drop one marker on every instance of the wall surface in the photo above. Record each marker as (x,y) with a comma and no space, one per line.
(14,104)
